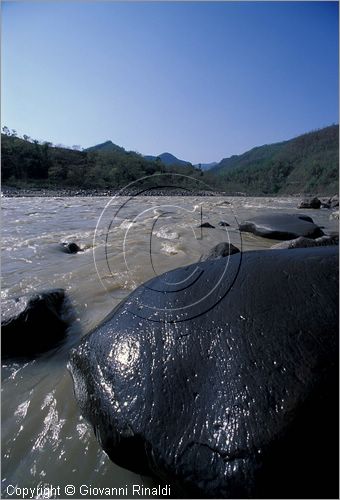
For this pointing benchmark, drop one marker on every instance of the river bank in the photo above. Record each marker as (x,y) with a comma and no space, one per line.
(9,192)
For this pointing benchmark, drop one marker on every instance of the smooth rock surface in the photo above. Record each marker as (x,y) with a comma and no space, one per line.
(32,324)
(232,397)
(282,226)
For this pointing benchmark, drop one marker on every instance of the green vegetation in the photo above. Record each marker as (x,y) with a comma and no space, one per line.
(307,164)
(27,163)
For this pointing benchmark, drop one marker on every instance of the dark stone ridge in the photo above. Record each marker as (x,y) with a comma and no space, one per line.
(239,402)
(70,247)
(223,223)
(32,324)
(219,251)
(310,203)
(302,242)
(206,224)
(282,226)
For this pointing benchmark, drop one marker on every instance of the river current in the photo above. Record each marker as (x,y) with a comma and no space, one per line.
(45,441)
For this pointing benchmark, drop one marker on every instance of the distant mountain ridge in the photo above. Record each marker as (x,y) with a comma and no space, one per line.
(168,159)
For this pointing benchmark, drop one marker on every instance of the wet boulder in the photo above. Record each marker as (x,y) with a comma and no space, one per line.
(310,203)
(223,384)
(219,251)
(282,226)
(33,323)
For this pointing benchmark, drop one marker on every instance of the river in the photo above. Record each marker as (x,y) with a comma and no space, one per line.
(45,441)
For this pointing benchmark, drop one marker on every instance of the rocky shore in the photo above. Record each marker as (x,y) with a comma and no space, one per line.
(9,192)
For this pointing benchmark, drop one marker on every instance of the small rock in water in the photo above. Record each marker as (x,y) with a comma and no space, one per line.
(70,247)
(219,251)
(223,223)
(334,215)
(206,224)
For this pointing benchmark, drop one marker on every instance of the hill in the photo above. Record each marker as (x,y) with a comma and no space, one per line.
(27,163)
(105,146)
(306,164)
(168,160)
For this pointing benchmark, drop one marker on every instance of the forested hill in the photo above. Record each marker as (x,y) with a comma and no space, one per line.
(28,163)
(306,164)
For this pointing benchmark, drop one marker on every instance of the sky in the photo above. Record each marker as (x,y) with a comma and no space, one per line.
(202,80)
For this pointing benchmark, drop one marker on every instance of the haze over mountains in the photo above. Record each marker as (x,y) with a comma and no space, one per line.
(305,164)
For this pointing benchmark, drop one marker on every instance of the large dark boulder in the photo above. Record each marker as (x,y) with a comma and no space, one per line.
(282,226)
(310,203)
(227,387)
(33,324)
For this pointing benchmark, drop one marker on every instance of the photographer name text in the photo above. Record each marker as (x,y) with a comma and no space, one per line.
(50,491)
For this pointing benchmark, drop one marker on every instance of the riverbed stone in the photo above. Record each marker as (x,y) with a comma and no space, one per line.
(231,396)
(32,324)
(282,226)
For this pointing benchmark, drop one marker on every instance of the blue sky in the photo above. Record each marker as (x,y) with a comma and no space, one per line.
(200,80)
